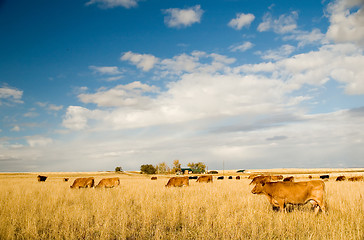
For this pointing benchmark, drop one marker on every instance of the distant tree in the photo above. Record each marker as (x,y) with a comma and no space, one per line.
(118,169)
(148,169)
(176,166)
(199,167)
(162,168)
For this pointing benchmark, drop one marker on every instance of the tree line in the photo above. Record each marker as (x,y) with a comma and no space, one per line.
(163,168)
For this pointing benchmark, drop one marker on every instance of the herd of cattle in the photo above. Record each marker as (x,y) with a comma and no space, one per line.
(279,193)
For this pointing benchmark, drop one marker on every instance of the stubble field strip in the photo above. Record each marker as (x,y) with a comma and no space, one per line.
(143,209)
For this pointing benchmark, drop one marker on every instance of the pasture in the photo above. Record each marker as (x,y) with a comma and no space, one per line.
(143,209)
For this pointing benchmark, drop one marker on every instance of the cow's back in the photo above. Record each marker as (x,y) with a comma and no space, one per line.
(109,182)
(177,182)
(83,182)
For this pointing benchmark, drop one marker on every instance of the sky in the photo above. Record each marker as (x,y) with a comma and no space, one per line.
(89,85)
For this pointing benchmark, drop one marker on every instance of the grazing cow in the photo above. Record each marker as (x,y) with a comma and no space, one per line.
(230,177)
(281,193)
(237,177)
(340,178)
(41,178)
(324,176)
(357,178)
(108,183)
(153,178)
(220,178)
(261,179)
(83,183)
(65,179)
(178,182)
(192,177)
(277,178)
(288,179)
(309,176)
(205,179)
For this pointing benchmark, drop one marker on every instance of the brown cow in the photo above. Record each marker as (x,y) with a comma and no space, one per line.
(340,178)
(109,183)
(177,182)
(288,179)
(41,178)
(261,179)
(83,183)
(281,193)
(237,177)
(309,176)
(204,179)
(357,178)
(277,178)
(153,178)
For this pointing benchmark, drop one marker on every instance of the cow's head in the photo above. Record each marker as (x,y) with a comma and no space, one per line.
(258,189)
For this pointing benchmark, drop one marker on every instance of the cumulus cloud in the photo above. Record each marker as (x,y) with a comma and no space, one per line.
(284,24)
(241,20)
(241,47)
(10,95)
(346,21)
(143,61)
(130,95)
(177,18)
(114,3)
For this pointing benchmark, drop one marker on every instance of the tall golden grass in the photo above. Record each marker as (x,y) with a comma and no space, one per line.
(143,209)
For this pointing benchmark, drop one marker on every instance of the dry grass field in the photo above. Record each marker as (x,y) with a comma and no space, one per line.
(143,209)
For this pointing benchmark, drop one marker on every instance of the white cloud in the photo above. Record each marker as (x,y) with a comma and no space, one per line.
(130,95)
(305,38)
(177,18)
(105,70)
(241,20)
(143,61)
(16,128)
(241,47)
(76,118)
(35,141)
(346,21)
(10,95)
(114,3)
(284,24)
(280,53)
(55,107)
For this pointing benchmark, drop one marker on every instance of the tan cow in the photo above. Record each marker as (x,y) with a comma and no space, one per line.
(153,178)
(204,179)
(83,183)
(281,193)
(357,178)
(108,183)
(177,182)
(288,179)
(261,179)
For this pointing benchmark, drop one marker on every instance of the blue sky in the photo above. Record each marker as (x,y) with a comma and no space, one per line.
(91,85)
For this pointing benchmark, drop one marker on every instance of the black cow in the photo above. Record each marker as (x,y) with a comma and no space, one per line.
(41,178)
(324,176)
(192,177)
(220,178)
